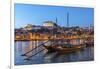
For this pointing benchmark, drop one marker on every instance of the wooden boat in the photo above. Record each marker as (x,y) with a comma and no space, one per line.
(89,44)
(63,48)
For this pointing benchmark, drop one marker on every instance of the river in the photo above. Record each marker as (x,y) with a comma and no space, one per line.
(43,57)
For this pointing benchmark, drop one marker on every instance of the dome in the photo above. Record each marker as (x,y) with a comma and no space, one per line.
(49,24)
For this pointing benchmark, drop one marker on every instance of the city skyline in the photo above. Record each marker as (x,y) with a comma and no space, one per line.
(37,14)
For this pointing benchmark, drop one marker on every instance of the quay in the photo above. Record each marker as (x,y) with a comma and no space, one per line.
(40,37)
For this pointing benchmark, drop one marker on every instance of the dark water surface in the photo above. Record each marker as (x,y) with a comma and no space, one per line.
(23,46)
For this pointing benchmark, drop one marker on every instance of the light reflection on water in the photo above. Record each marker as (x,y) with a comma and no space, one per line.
(24,46)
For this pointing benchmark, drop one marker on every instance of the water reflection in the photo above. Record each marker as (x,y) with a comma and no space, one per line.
(24,46)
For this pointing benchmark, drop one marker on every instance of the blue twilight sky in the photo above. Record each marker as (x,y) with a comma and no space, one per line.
(37,14)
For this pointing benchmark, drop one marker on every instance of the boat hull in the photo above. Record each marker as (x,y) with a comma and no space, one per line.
(64,48)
